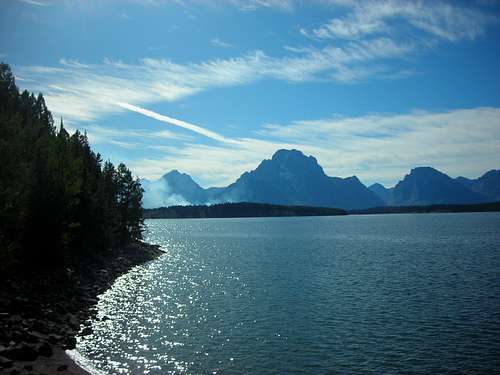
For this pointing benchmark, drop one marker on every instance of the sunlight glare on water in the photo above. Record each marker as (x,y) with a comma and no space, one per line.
(379,294)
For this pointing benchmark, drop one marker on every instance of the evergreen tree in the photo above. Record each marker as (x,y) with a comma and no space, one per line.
(57,201)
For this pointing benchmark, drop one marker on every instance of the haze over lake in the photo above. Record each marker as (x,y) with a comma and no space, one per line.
(355,294)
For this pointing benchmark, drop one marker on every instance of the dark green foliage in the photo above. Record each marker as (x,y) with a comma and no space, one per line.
(56,198)
(243,209)
(479,207)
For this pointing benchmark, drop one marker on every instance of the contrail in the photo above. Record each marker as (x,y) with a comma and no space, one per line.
(176,122)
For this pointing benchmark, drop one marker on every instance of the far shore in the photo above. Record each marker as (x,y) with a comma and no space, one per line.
(246,209)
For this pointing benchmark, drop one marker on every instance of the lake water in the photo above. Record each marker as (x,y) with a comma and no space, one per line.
(381,294)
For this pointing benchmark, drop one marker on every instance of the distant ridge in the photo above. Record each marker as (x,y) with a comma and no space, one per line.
(428,186)
(288,178)
(292,178)
(245,209)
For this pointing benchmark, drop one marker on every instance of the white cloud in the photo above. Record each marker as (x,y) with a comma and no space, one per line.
(104,134)
(251,5)
(443,20)
(216,42)
(84,92)
(176,122)
(380,147)
(39,3)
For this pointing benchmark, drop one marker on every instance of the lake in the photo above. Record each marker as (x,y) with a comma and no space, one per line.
(408,293)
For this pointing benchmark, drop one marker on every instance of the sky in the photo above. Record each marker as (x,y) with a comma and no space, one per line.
(211,88)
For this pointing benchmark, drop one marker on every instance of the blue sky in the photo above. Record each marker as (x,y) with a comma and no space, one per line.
(370,88)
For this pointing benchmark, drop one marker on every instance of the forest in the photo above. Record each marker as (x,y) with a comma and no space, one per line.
(58,198)
(241,209)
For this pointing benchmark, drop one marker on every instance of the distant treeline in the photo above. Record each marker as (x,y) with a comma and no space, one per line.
(244,209)
(481,207)
(57,198)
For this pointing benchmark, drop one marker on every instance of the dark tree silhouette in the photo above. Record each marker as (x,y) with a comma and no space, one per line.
(57,200)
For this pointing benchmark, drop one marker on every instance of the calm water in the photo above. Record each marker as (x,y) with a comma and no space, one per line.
(382,294)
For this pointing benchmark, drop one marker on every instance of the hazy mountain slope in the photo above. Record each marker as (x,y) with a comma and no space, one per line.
(382,192)
(292,178)
(426,185)
(173,188)
(487,185)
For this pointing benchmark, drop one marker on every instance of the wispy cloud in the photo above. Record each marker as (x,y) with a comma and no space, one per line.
(443,20)
(105,134)
(176,122)
(216,42)
(364,43)
(39,3)
(379,147)
(251,5)
(84,92)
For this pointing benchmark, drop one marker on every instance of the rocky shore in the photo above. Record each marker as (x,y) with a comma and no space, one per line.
(41,311)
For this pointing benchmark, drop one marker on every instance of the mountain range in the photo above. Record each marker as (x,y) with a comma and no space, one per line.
(292,178)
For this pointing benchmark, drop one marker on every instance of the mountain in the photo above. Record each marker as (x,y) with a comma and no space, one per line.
(488,184)
(382,192)
(288,178)
(426,185)
(173,188)
(291,178)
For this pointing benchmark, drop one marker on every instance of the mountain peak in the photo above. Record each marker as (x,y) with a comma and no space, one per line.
(426,185)
(284,154)
(295,160)
(376,185)
(173,173)
(293,154)
(425,171)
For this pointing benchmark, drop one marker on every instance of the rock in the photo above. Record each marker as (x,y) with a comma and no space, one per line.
(38,336)
(20,352)
(15,319)
(54,338)
(17,336)
(73,321)
(32,339)
(5,335)
(15,372)
(86,331)
(70,343)
(39,325)
(62,368)
(28,367)
(5,362)
(44,349)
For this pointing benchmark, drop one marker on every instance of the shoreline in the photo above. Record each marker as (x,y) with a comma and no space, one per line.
(42,311)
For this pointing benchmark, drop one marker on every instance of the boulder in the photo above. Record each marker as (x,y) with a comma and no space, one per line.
(44,349)
(73,321)
(54,338)
(5,362)
(62,368)
(20,352)
(70,343)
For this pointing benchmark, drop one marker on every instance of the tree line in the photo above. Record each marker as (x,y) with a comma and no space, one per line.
(241,209)
(58,199)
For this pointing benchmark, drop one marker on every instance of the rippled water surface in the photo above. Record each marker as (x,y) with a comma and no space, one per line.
(335,295)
